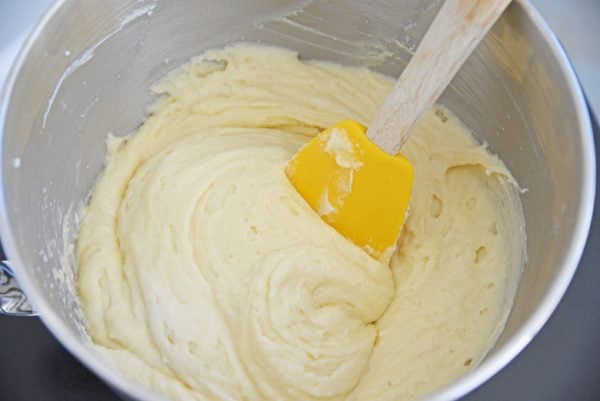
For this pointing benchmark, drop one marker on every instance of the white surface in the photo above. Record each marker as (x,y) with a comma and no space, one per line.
(16,20)
(576,23)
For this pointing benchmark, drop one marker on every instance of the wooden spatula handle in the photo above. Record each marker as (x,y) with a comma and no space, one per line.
(457,29)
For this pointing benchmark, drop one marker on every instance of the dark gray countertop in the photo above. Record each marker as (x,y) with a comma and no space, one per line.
(562,362)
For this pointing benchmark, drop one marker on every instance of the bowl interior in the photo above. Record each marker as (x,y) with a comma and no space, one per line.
(87,71)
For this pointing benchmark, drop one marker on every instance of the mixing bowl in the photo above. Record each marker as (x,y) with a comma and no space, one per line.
(85,71)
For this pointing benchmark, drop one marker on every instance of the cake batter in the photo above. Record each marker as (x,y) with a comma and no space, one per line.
(204,275)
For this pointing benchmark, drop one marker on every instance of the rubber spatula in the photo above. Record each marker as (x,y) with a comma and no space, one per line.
(354,177)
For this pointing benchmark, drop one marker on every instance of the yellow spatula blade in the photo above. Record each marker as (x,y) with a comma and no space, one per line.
(354,186)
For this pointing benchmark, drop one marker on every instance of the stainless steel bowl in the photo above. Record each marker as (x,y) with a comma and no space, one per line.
(85,71)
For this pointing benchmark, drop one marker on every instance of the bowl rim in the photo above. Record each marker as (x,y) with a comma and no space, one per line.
(489,367)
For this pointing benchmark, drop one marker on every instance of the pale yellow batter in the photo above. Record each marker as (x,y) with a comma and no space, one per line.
(205,276)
